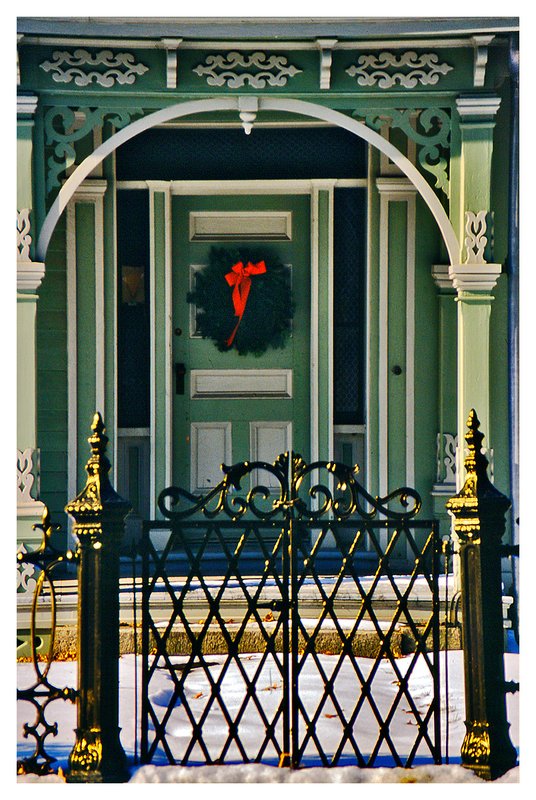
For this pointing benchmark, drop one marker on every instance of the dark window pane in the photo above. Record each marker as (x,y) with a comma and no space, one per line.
(133,335)
(348,306)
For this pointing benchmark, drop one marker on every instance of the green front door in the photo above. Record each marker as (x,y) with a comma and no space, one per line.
(229,407)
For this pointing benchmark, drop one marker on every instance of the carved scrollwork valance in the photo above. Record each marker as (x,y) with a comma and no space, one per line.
(83,68)
(386,70)
(235,70)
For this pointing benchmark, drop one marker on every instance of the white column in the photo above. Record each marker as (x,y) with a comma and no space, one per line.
(79,262)
(29,277)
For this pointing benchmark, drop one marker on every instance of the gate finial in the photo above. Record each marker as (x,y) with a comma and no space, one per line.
(475,461)
(98,492)
(478,499)
(98,440)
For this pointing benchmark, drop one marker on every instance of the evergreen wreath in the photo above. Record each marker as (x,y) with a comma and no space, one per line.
(243,300)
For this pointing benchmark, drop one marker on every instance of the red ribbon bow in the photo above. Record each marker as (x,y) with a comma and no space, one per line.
(239,278)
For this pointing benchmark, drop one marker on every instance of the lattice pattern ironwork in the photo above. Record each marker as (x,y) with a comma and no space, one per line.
(365,594)
(199,618)
(268,603)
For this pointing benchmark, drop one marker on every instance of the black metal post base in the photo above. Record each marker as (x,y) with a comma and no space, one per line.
(487,750)
(93,760)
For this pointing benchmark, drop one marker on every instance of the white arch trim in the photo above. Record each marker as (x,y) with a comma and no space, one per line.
(232,104)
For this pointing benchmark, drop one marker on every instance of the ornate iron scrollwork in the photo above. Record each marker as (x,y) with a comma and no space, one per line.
(46,558)
(297,494)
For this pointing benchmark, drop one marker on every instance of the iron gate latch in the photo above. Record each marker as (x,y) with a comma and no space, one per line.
(273,605)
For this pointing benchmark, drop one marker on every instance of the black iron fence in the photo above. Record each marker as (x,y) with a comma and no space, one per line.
(281,559)
(284,543)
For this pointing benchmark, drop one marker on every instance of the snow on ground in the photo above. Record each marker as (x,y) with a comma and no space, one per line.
(64,674)
(260,773)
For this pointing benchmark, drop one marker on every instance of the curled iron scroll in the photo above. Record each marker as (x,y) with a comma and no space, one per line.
(225,498)
(291,490)
(42,692)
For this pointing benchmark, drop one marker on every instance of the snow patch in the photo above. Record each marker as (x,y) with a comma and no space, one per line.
(260,773)
(179,730)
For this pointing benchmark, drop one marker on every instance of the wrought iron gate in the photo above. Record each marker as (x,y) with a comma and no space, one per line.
(259,601)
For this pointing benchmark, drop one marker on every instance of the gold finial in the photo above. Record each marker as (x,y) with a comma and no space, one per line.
(475,461)
(473,437)
(477,495)
(98,464)
(98,440)
(98,488)
(98,423)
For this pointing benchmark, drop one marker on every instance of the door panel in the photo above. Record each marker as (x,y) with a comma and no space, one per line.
(230,407)
(210,446)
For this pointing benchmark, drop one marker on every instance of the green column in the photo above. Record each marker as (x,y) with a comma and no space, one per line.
(474,278)
(476,126)
(29,277)
(473,283)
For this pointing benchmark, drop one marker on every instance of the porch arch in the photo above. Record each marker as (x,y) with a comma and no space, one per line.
(305,108)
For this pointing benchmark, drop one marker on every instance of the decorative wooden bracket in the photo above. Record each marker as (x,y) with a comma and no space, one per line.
(326,57)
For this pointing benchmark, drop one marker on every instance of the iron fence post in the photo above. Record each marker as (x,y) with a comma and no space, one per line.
(479,510)
(99,515)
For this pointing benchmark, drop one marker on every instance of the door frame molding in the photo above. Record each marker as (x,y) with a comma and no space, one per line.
(161,428)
